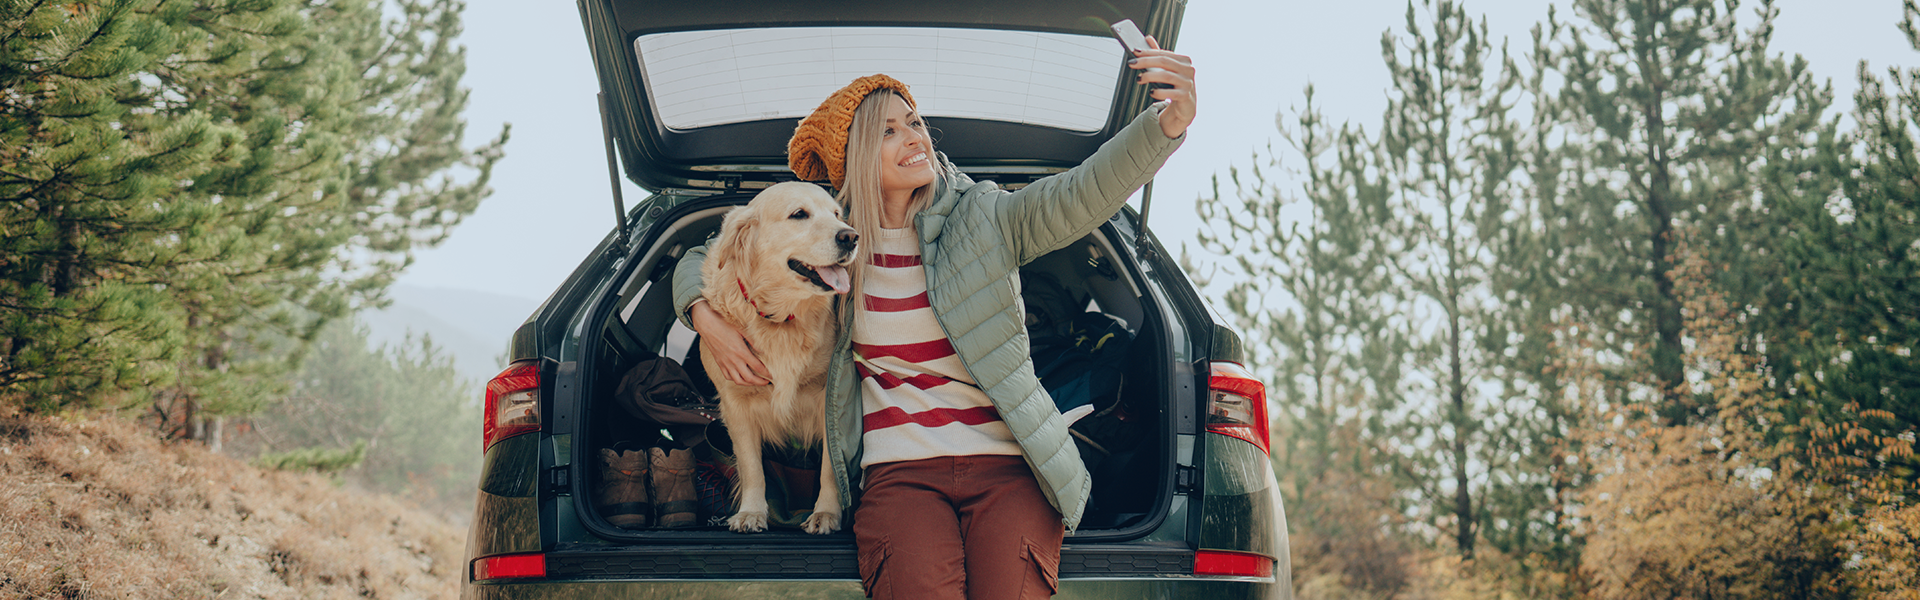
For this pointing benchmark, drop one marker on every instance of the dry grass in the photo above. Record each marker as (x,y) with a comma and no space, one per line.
(103,509)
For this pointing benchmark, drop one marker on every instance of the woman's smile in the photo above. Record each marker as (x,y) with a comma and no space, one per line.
(905,140)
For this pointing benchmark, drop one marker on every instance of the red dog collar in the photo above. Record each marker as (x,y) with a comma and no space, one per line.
(756,306)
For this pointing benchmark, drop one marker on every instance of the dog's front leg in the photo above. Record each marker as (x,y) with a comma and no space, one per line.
(752,516)
(826,509)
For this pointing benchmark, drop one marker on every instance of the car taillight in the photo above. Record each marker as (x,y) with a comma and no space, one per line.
(510,566)
(513,403)
(1239,404)
(1241,564)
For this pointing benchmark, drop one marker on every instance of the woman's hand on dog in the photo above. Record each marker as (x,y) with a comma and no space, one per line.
(1175,70)
(735,357)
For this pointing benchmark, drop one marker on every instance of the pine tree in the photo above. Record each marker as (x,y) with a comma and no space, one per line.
(191,192)
(1532,336)
(1842,324)
(1668,111)
(1850,245)
(1450,152)
(309,250)
(91,180)
(1304,289)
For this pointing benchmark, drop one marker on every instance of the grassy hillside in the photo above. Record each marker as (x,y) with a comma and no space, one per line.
(101,508)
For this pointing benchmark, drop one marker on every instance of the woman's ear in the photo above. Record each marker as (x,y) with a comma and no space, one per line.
(737,237)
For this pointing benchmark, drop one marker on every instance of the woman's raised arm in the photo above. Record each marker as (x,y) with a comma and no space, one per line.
(1056,210)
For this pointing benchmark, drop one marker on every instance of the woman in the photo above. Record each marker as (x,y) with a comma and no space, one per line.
(968,477)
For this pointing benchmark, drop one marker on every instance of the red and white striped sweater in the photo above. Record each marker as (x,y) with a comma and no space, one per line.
(917,398)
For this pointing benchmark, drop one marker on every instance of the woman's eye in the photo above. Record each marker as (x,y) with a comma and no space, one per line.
(889,131)
(798,214)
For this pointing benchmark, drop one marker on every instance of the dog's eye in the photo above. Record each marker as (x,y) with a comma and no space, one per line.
(798,214)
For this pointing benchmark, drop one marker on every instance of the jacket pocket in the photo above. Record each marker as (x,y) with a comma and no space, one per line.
(871,561)
(1047,563)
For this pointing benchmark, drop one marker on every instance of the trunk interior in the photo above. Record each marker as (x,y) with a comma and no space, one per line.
(1127,442)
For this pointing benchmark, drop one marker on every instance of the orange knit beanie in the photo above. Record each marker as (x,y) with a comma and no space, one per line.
(818,149)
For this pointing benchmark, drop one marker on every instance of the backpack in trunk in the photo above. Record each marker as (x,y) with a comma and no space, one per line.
(658,390)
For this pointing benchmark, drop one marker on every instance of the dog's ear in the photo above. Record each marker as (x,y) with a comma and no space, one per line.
(737,233)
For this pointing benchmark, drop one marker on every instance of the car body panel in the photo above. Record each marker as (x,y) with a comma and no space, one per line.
(505,517)
(1238,513)
(1227,345)
(508,467)
(503,525)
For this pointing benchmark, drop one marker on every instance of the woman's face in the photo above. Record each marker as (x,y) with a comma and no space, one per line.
(906,153)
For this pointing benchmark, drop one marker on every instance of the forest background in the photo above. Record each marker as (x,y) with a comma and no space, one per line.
(197,198)
(1626,310)
(1623,310)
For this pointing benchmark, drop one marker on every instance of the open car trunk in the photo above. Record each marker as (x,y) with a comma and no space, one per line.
(1128,443)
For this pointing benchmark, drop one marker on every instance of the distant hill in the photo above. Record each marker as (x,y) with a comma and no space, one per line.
(475,327)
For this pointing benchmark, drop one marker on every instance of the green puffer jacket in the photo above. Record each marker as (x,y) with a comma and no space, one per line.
(973,239)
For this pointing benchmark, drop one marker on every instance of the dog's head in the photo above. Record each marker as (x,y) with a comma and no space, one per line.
(792,228)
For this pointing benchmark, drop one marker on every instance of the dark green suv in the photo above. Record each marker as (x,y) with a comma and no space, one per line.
(698,100)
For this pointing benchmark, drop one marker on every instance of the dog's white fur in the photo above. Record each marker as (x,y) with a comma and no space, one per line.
(786,222)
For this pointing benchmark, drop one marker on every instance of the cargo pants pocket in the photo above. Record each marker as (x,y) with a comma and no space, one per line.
(871,561)
(1046,565)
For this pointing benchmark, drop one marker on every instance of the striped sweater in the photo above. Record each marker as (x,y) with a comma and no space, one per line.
(919,400)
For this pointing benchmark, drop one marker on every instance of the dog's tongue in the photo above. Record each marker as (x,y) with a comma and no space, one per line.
(835,276)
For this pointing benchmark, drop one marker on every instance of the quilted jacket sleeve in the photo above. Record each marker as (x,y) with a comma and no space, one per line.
(687,283)
(1054,211)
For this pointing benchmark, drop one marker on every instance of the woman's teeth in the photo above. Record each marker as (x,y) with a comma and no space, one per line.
(917,158)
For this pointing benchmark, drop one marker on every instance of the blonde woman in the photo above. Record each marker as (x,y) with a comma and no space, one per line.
(966,475)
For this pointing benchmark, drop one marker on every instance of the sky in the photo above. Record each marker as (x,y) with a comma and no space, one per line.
(552,202)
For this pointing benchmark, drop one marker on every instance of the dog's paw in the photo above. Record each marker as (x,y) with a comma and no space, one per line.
(753,522)
(822,523)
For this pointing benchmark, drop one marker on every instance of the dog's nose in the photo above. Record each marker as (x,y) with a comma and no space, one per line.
(846,239)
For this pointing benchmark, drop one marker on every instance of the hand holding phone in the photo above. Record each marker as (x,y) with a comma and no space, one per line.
(1130,37)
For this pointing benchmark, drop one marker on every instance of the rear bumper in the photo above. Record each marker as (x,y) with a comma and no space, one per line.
(1105,572)
(1070,589)
(833,562)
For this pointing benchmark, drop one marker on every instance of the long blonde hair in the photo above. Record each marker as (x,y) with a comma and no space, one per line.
(861,194)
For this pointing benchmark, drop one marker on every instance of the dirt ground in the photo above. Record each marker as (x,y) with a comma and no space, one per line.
(102,508)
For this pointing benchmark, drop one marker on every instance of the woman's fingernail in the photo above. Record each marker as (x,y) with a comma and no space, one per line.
(1132,60)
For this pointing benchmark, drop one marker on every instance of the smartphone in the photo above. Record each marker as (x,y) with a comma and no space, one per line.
(1131,38)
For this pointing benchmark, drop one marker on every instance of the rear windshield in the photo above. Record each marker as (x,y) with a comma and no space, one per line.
(705,78)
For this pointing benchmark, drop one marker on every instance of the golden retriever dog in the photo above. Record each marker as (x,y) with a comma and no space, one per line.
(773,273)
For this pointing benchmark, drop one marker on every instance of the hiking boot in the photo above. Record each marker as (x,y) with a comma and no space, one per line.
(622,497)
(674,493)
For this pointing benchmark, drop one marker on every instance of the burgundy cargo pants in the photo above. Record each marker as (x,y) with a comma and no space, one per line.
(975,527)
